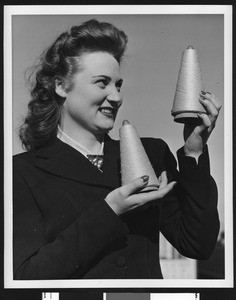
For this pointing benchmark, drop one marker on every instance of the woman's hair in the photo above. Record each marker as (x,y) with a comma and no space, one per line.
(59,63)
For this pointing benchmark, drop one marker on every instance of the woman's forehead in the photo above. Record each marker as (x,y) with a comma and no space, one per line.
(102,62)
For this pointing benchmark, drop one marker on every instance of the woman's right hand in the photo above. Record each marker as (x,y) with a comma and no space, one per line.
(126,198)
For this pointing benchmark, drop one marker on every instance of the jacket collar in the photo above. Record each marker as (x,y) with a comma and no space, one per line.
(62,160)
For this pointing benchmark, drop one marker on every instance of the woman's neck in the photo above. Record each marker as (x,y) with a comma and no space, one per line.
(86,138)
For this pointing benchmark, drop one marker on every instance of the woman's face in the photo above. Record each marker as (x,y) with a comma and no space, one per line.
(95,98)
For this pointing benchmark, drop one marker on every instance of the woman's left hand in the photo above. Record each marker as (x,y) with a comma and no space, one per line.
(196,136)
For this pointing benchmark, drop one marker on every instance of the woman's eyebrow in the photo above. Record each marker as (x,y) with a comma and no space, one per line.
(107,77)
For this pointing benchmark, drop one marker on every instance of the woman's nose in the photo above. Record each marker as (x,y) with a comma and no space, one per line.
(114,96)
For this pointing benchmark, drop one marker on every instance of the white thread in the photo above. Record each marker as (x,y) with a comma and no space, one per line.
(134,160)
(189,85)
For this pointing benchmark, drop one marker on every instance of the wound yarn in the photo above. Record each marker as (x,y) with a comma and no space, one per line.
(134,160)
(186,103)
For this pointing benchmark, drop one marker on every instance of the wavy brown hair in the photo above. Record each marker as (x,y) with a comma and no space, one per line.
(60,62)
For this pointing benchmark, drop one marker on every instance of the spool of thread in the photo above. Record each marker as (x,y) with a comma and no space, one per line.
(134,160)
(186,104)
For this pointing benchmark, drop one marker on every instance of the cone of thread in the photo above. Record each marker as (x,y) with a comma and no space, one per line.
(134,160)
(186,103)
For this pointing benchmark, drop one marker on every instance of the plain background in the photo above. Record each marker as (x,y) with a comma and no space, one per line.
(150,71)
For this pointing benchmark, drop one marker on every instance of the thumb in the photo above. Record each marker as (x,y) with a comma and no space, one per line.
(134,186)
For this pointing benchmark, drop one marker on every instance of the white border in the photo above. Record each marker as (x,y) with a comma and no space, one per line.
(228,145)
(116,9)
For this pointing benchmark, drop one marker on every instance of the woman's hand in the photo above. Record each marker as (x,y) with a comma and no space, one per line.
(126,198)
(196,136)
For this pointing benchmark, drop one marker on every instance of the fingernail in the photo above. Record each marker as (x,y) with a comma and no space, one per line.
(145,178)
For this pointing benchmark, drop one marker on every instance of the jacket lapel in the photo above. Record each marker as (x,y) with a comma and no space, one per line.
(62,160)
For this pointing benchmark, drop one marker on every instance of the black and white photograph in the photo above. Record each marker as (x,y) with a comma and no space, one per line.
(118,146)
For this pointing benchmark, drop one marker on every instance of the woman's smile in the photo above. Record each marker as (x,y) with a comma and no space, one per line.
(109,112)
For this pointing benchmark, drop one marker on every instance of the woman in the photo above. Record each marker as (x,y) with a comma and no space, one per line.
(71,217)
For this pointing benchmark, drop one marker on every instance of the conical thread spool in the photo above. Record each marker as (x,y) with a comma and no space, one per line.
(189,85)
(134,160)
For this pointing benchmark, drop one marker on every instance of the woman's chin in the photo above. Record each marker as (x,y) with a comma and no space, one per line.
(106,129)
(108,125)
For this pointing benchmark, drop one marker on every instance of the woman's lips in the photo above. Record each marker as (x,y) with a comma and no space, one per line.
(108,111)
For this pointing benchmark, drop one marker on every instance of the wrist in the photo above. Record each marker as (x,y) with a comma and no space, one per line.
(194,154)
(112,205)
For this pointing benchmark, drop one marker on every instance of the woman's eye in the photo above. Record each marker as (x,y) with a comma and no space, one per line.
(101,83)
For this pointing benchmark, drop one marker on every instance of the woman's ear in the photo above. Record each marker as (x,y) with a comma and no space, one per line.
(59,89)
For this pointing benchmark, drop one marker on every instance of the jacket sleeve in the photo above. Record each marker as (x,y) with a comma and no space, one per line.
(189,216)
(74,249)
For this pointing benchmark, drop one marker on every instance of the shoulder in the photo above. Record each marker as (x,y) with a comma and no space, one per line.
(28,157)
(24,169)
(154,144)
(159,152)
(22,158)
(25,166)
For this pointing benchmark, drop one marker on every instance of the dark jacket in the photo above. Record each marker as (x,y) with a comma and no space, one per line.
(64,229)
